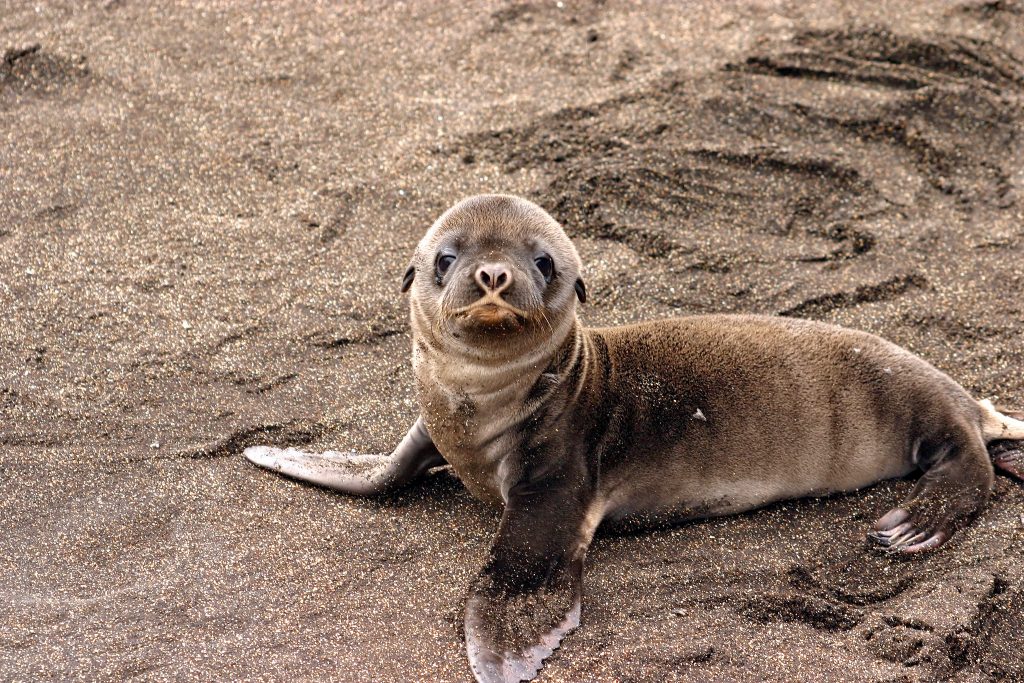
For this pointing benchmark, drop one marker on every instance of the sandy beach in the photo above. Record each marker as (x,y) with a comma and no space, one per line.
(205,213)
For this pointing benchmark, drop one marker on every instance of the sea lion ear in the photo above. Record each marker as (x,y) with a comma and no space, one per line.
(408,278)
(581,290)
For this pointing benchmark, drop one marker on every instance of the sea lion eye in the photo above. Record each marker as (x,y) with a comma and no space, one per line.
(444,262)
(546,266)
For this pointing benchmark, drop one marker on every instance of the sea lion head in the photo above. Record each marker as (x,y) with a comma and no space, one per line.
(494,272)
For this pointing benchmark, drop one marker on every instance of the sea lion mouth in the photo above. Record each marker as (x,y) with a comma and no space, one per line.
(492,313)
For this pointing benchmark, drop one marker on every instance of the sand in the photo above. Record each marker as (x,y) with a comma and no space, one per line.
(205,213)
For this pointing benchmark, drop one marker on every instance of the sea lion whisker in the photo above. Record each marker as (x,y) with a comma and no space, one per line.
(541,316)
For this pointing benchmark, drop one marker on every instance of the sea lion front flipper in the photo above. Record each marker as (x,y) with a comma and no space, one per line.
(527,597)
(486,636)
(956,484)
(354,473)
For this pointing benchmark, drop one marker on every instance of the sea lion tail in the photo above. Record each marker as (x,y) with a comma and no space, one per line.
(1000,423)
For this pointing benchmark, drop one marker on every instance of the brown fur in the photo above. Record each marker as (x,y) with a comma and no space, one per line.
(567,427)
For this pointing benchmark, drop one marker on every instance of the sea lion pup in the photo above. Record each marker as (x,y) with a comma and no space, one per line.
(566,427)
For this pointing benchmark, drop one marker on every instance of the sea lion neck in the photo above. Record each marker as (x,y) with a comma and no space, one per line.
(465,368)
(571,354)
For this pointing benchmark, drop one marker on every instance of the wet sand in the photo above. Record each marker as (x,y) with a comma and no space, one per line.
(205,213)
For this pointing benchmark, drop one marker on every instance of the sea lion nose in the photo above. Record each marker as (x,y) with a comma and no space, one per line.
(493,277)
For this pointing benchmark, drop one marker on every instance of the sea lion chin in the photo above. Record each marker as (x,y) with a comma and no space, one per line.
(567,428)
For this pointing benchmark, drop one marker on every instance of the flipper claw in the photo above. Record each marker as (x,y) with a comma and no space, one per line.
(886,537)
(905,536)
(934,542)
(891,519)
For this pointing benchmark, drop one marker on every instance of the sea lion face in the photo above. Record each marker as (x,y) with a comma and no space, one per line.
(494,271)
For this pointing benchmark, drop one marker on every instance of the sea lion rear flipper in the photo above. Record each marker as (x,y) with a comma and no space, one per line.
(527,597)
(1015,413)
(1008,457)
(354,473)
(955,485)
(1003,430)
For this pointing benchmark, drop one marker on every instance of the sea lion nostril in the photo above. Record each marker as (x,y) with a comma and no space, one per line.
(493,276)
